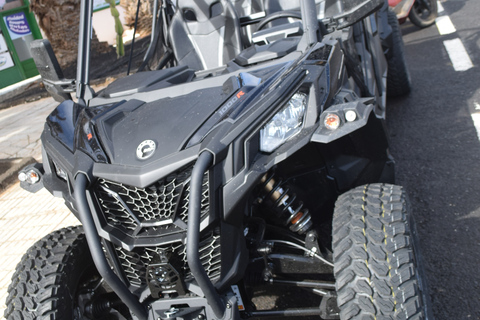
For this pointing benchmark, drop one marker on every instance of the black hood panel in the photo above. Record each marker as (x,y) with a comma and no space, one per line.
(169,122)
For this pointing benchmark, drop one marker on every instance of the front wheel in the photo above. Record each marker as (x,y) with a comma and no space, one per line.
(56,279)
(423,13)
(376,262)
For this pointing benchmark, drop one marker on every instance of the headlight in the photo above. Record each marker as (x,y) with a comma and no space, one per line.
(285,124)
(60,172)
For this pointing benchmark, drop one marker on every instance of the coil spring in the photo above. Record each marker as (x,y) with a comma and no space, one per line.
(287,205)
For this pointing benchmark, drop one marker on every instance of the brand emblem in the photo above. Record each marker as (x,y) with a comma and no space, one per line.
(230,103)
(146,149)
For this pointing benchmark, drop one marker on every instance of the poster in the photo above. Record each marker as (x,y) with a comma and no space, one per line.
(5,61)
(17,25)
(3,44)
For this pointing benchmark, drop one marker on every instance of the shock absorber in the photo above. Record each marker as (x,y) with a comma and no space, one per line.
(286,204)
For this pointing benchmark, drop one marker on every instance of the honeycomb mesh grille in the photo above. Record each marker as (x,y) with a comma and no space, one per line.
(134,210)
(183,210)
(135,262)
(151,213)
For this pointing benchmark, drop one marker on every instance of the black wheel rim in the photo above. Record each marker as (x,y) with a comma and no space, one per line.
(423,9)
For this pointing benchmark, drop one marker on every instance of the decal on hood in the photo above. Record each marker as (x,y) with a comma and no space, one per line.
(146,149)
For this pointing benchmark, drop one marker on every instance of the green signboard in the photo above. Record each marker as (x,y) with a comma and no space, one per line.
(18,28)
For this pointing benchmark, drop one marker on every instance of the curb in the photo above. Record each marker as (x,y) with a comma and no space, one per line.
(17,88)
(25,91)
(14,165)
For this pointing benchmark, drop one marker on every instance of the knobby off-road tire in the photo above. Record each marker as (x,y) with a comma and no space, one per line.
(398,77)
(45,282)
(378,275)
(422,17)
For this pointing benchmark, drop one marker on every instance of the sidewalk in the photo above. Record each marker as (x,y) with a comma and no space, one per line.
(25,217)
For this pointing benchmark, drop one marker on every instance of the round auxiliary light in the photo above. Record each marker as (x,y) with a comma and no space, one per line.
(33,177)
(30,177)
(332,121)
(22,176)
(350,115)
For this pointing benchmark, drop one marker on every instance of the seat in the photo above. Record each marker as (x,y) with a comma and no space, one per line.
(205,34)
(248,8)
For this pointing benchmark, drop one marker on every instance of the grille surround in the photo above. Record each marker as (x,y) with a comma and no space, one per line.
(156,210)
(147,224)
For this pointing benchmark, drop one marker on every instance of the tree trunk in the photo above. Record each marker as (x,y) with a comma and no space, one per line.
(59,19)
(144,26)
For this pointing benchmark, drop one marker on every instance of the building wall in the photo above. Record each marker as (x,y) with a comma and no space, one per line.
(104,24)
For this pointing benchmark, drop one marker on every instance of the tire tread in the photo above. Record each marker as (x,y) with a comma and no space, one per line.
(373,255)
(38,289)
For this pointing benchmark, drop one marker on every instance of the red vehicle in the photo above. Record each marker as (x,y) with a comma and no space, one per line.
(421,13)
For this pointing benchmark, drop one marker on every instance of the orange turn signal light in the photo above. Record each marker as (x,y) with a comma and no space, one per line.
(332,121)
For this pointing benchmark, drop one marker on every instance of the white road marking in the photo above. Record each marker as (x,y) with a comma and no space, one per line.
(458,55)
(476,123)
(445,25)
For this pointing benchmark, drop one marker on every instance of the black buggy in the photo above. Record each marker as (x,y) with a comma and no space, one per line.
(252,154)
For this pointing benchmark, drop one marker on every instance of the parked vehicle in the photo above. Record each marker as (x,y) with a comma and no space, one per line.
(255,155)
(421,13)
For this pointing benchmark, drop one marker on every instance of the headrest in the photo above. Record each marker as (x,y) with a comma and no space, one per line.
(200,10)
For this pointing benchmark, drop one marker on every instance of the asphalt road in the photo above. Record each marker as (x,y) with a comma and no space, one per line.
(437,152)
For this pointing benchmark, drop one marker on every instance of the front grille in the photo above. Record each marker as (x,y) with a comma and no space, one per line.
(149,211)
(135,262)
(144,217)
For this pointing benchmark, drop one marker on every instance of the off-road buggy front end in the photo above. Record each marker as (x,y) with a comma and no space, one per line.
(254,158)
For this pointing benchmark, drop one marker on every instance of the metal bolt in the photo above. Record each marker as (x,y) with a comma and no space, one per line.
(229,306)
(200,317)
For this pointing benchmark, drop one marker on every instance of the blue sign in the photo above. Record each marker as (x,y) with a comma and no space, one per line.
(17,25)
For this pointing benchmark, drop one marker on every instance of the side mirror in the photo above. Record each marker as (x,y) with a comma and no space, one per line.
(356,10)
(50,70)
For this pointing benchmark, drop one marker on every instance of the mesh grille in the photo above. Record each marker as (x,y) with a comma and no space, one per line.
(205,201)
(135,262)
(147,211)
(151,213)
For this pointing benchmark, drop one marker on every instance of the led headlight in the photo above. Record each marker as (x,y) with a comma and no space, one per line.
(285,124)
(60,172)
